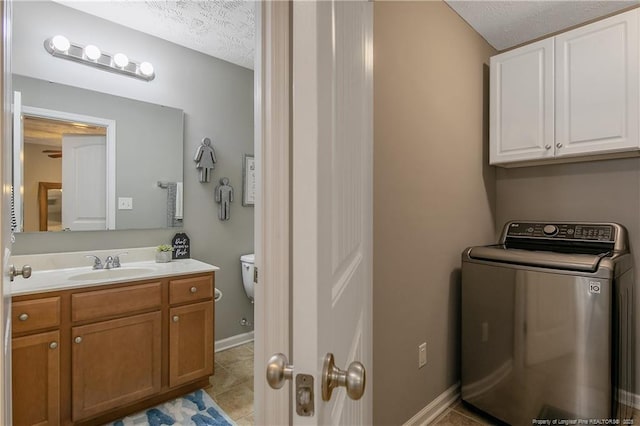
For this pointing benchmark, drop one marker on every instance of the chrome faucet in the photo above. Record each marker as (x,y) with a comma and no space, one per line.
(97,263)
(110,262)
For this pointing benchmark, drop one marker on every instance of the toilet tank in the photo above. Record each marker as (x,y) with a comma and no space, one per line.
(247,261)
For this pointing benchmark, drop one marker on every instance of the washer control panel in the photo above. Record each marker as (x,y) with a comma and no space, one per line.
(562,231)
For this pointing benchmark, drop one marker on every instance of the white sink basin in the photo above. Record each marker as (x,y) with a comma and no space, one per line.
(106,274)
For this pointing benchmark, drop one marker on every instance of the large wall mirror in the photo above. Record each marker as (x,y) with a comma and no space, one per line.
(90,160)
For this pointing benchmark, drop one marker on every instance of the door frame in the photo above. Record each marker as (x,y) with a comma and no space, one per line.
(75,118)
(272,89)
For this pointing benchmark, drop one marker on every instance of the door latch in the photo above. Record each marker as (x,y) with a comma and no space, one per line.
(304,395)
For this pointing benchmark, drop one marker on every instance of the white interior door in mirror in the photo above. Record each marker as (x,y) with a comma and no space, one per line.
(84,183)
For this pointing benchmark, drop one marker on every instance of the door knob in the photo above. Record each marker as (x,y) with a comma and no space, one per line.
(353,379)
(547,147)
(559,145)
(278,370)
(25,272)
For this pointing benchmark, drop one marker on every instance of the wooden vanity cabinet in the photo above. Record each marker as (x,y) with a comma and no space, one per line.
(115,363)
(36,379)
(35,353)
(92,355)
(191,329)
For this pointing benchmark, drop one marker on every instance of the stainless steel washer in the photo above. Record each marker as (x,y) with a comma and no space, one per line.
(547,323)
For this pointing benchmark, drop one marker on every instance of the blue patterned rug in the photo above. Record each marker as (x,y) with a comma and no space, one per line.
(197,409)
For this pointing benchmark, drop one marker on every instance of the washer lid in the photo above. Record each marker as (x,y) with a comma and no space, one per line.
(248,258)
(543,259)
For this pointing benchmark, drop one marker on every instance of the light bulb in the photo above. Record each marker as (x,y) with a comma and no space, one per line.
(60,43)
(121,60)
(146,69)
(92,52)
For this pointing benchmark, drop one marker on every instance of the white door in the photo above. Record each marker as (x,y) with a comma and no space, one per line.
(84,182)
(332,154)
(5,219)
(597,87)
(521,104)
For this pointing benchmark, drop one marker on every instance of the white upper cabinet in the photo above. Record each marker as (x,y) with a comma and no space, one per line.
(569,96)
(521,126)
(597,87)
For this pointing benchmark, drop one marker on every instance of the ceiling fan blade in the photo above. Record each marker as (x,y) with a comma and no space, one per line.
(54,151)
(55,155)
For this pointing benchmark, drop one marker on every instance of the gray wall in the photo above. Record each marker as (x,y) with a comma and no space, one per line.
(217,99)
(434,194)
(601,191)
(148,144)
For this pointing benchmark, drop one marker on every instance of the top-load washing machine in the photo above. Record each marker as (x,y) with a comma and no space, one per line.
(547,324)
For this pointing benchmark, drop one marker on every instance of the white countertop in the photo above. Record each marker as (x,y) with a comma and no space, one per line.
(64,274)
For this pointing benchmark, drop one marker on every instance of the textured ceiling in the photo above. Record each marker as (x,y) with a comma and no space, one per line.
(221,28)
(505,24)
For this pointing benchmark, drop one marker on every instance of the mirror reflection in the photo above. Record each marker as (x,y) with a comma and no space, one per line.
(108,163)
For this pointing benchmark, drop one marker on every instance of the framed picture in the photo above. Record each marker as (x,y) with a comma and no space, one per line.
(248,180)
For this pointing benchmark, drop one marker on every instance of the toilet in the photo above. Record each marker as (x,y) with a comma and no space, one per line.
(247,262)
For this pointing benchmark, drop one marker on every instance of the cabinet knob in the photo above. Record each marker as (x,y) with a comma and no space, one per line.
(175,318)
(23,317)
(559,145)
(78,339)
(53,345)
(193,289)
(547,147)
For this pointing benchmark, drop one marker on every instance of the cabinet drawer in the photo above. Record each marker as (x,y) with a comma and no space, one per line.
(116,301)
(30,315)
(191,289)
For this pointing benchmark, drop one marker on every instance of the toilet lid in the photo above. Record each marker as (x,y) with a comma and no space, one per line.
(249,258)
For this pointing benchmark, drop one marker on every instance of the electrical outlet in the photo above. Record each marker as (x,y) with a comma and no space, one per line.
(422,355)
(485,332)
(125,203)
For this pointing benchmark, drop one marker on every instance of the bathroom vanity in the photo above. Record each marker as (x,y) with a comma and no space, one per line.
(98,345)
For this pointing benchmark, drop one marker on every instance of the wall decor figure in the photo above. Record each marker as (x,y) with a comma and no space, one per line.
(224,196)
(205,159)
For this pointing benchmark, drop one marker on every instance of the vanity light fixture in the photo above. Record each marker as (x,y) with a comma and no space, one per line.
(92,52)
(60,47)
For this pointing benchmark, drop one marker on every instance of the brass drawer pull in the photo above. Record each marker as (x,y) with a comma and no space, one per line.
(193,289)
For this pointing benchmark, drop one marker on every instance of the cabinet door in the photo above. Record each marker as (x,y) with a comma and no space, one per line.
(115,362)
(597,87)
(190,343)
(521,104)
(36,379)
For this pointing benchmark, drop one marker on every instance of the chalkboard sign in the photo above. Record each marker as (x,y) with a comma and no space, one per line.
(181,248)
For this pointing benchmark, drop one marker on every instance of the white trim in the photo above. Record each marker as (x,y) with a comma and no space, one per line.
(233,341)
(111,149)
(634,397)
(272,235)
(436,407)
(18,158)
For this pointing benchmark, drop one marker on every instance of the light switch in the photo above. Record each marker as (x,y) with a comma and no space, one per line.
(125,203)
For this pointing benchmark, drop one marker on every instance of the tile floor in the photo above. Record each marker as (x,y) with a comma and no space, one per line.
(232,384)
(232,389)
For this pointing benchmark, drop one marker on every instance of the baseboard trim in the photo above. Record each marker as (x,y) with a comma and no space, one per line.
(634,397)
(233,341)
(436,407)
